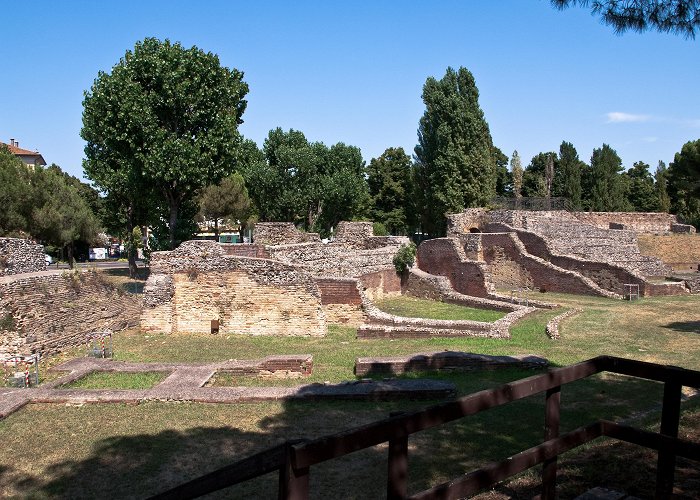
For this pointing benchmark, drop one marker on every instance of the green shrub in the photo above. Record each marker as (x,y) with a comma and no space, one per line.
(405,257)
(379,229)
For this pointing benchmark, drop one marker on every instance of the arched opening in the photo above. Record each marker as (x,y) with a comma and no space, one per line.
(474,230)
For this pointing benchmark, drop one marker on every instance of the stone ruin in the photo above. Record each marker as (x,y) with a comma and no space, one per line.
(19,256)
(573,252)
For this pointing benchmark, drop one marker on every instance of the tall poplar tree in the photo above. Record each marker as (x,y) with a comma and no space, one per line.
(454,156)
(390,186)
(516,170)
(567,180)
(661,187)
(608,189)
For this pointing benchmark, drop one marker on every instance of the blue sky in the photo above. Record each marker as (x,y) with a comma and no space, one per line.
(353,71)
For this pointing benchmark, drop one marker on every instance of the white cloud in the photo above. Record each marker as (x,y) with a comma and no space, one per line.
(618,117)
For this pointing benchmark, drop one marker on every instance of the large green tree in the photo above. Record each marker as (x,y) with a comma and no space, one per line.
(641,195)
(390,186)
(60,216)
(608,192)
(675,16)
(15,199)
(535,175)
(684,183)
(162,124)
(305,182)
(455,156)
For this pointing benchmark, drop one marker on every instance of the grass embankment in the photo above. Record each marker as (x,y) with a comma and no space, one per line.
(89,450)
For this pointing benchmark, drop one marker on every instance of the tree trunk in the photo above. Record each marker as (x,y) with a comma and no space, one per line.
(172,221)
(131,245)
(69,252)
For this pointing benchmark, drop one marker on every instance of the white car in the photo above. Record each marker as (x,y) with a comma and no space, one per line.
(48,259)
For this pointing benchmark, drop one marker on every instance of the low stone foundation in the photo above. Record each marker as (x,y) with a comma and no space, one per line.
(552,328)
(445,360)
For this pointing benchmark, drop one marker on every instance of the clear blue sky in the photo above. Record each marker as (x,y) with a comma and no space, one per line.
(353,71)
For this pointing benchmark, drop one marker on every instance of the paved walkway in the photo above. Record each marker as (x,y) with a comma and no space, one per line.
(186,381)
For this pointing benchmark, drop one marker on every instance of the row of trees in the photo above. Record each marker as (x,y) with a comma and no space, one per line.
(163,145)
(47,205)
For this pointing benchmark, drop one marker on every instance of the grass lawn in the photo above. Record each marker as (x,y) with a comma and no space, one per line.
(412,307)
(89,450)
(117,380)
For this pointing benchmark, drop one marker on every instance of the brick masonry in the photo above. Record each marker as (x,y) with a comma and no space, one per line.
(444,360)
(19,256)
(51,311)
(680,251)
(198,283)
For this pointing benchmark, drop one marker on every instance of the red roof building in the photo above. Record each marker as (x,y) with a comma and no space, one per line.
(31,158)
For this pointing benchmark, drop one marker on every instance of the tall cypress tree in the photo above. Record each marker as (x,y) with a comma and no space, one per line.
(608,189)
(455,161)
(661,187)
(516,170)
(567,181)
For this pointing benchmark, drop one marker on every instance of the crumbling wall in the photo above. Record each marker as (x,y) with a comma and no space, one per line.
(280,233)
(19,256)
(334,259)
(49,312)
(680,251)
(197,283)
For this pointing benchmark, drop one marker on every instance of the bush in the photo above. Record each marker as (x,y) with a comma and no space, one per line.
(405,257)
(379,229)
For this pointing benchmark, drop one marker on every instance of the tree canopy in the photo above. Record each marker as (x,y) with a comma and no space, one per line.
(684,183)
(673,16)
(391,188)
(455,161)
(308,183)
(160,126)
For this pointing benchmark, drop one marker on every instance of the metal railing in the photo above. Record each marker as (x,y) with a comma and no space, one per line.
(294,459)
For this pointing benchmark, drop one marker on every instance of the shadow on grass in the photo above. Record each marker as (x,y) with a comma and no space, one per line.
(140,465)
(684,326)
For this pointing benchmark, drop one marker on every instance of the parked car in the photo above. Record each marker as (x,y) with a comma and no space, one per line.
(49,259)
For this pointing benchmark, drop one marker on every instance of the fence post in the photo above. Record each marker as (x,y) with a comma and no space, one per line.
(670,416)
(294,483)
(397,477)
(551,431)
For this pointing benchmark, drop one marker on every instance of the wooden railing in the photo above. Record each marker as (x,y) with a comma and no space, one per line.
(294,459)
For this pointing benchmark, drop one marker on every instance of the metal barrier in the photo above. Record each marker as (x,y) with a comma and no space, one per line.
(294,459)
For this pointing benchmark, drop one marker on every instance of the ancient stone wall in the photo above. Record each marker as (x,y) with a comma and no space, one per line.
(680,251)
(545,276)
(640,222)
(445,257)
(280,233)
(381,284)
(20,256)
(197,283)
(335,259)
(51,311)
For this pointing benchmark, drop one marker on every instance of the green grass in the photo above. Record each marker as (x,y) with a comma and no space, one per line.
(88,450)
(117,380)
(412,307)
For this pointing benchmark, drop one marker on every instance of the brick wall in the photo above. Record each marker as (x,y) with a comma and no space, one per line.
(53,311)
(246,250)
(20,256)
(197,283)
(641,222)
(381,284)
